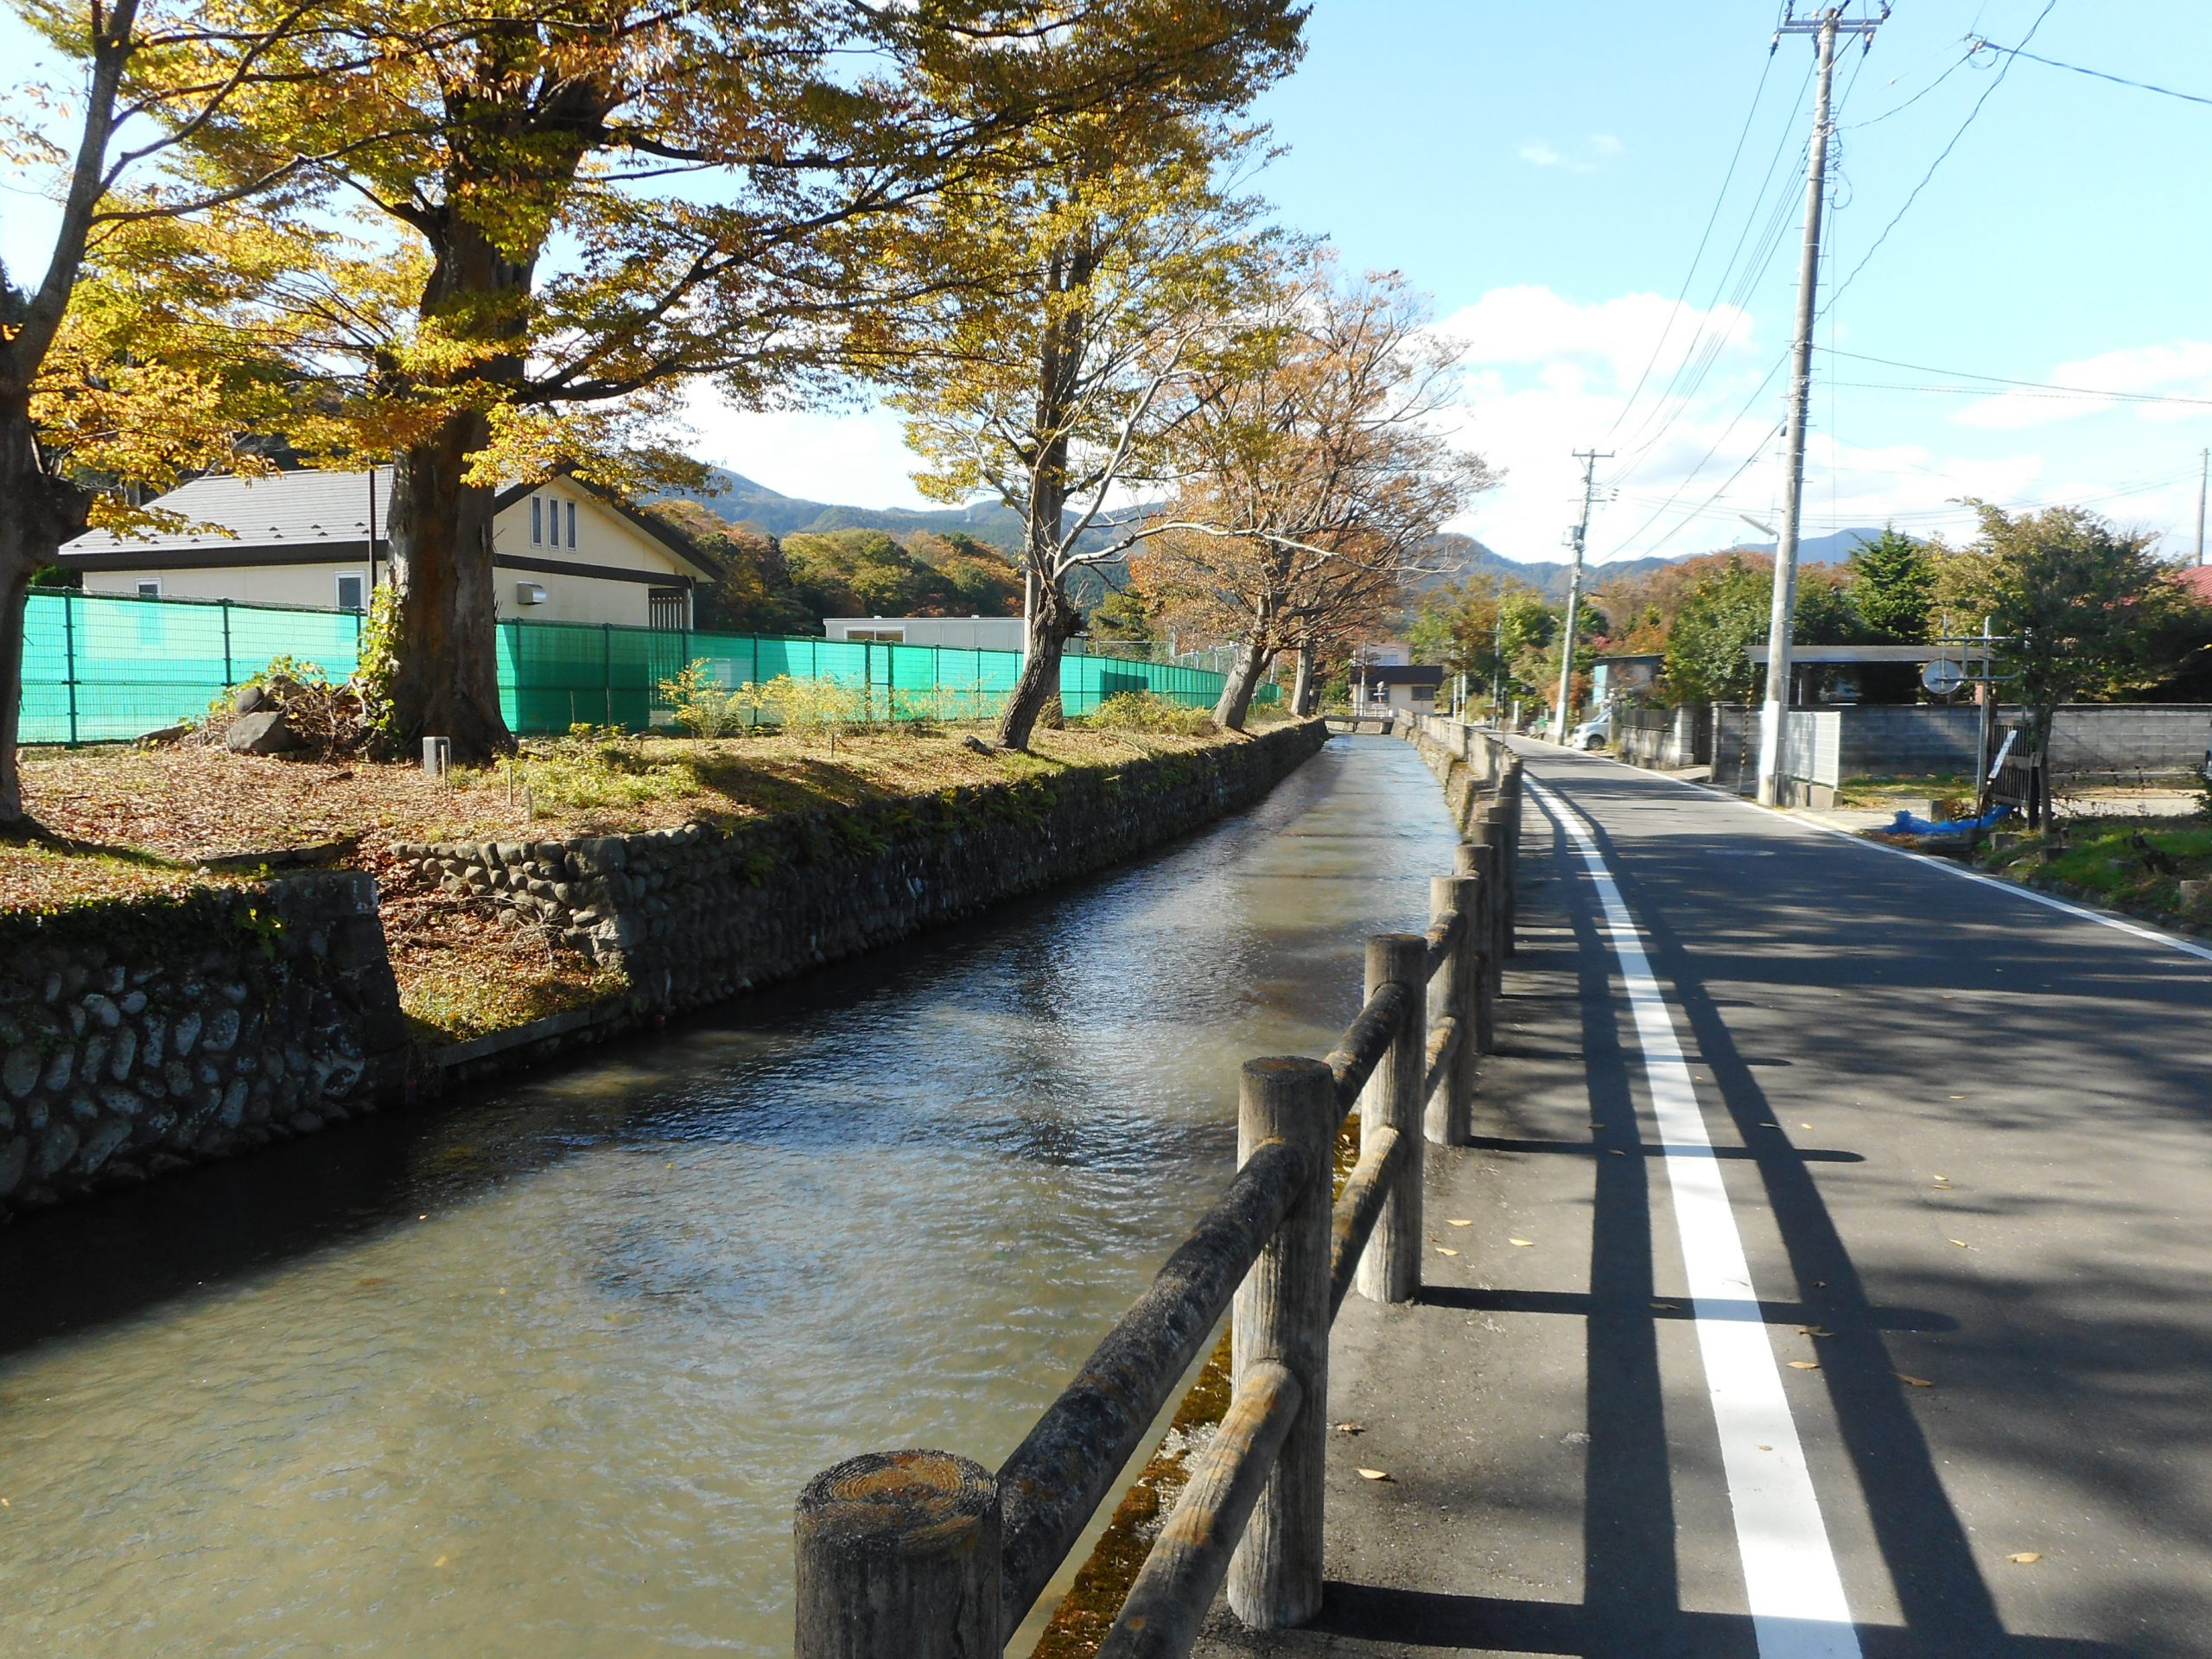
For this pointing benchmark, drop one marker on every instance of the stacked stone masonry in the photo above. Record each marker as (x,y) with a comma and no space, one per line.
(140,1037)
(693,915)
(137,1039)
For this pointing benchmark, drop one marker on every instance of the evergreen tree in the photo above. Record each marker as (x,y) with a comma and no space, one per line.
(1893,584)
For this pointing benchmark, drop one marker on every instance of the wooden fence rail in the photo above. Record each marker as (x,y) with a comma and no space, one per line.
(922,1555)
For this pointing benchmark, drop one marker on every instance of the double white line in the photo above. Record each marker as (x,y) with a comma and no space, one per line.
(1790,1578)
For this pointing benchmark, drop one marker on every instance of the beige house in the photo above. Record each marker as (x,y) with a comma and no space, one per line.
(564,551)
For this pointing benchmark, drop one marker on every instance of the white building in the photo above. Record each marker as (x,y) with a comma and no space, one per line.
(564,550)
(968,632)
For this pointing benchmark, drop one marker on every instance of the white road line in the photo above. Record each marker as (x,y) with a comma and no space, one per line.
(2080,913)
(1791,1578)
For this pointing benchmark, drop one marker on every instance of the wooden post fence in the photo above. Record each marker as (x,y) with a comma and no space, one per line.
(923,1555)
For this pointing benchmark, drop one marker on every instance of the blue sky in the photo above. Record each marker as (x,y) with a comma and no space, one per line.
(1546,172)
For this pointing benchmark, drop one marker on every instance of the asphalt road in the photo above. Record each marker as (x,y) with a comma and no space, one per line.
(1958,1139)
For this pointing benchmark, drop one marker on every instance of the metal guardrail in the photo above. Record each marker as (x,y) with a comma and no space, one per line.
(923,1555)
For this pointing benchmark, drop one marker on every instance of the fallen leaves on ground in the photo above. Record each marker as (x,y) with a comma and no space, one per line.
(1525,1243)
(1913,1381)
(1440,1251)
(1804,1365)
(1458,1223)
(2026,1557)
(1374,1474)
(1351,1428)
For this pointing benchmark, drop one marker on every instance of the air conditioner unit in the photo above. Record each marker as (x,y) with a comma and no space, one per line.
(529,593)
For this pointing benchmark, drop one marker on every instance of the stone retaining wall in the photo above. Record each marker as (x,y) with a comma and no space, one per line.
(138,1038)
(696,914)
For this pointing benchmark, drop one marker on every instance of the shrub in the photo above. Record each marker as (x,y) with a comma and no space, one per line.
(703,708)
(1148,711)
(806,707)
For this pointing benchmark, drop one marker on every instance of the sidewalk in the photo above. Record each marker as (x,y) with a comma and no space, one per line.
(1467,1401)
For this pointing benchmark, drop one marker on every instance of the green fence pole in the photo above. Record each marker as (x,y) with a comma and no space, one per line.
(227,681)
(607,666)
(69,658)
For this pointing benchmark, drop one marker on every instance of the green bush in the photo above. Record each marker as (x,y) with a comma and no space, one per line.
(1148,711)
(703,708)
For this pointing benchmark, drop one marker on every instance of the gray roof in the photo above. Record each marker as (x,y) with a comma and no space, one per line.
(283,510)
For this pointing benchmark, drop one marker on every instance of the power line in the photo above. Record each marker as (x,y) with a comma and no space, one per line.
(1976,44)
(1712,219)
(1988,92)
(2002,380)
(1957,64)
(1706,344)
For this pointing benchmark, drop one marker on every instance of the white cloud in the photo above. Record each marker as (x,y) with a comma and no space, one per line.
(850,457)
(2182,369)
(1532,324)
(1598,148)
(1537,153)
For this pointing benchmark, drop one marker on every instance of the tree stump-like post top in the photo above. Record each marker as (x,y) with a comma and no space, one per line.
(1390,1268)
(898,1558)
(1282,1313)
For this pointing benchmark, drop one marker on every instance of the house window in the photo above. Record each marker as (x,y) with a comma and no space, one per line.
(667,608)
(880,636)
(149,587)
(572,523)
(536,522)
(350,590)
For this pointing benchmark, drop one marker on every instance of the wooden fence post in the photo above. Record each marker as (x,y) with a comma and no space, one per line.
(1281,1315)
(1456,992)
(898,1558)
(1389,1268)
(1479,861)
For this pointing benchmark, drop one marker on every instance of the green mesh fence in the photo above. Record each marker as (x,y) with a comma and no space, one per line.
(103,667)
(100,667)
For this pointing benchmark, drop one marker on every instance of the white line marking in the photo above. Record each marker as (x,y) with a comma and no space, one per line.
(2080,913)
(1790,1578)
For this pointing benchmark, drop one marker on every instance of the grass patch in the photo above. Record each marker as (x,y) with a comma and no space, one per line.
(2126,863)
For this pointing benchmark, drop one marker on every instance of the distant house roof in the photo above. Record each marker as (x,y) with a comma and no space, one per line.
(2197,578)
(309,514)
(1869,653)
(1398,673)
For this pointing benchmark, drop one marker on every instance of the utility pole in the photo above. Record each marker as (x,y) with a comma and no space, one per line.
(1781,619)
(2204,469)
(1589,458)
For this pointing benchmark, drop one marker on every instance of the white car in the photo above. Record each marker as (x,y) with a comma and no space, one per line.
(1593,733)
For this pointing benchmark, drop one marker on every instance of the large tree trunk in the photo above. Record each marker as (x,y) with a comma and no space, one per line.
(446,682)
(38,512)
(1244,680)
(1048,619)
(1303,690)
(447,677)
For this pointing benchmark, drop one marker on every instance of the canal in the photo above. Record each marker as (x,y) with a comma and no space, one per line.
(541,1373)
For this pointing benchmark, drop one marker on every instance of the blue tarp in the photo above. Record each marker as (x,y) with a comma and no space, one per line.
(1905,825)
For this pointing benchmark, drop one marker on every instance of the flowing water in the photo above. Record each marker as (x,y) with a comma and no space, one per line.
(540,1374)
